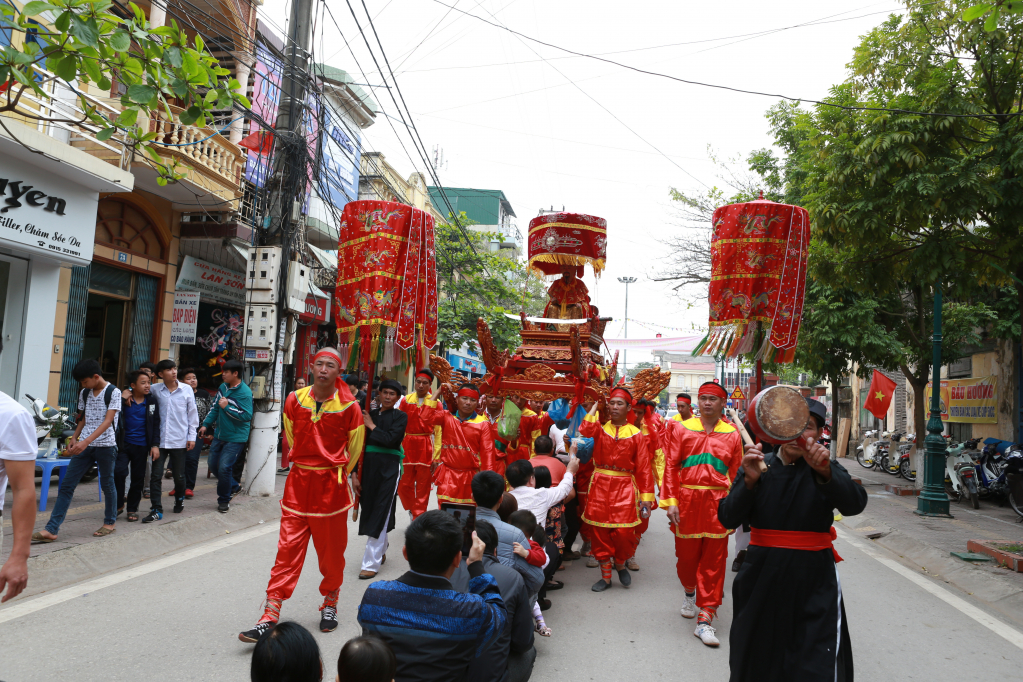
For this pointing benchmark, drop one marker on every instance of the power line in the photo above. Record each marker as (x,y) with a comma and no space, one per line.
(717,86)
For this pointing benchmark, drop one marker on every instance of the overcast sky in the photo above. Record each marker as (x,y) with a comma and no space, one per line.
(549,128)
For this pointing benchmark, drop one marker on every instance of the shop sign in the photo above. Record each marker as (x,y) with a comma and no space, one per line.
(212,281)
(316,310)
(47,215)
(967,401)
(464,364)
(184,317)
(257,355)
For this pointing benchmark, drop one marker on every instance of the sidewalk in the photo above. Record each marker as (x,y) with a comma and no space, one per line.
(77,555)
(889,520)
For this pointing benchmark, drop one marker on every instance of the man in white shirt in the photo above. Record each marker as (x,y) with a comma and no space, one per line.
(17,464)
(539,500)
(179,420)
(94,442)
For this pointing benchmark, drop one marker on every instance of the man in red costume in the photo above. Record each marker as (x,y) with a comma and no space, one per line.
(495,407)
(466,446)
(421,445)
(651,426)
(621,464)
(684,403)
(324,427)
(532,425)
(703,455)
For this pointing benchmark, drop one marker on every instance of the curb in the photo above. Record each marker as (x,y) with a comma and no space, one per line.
(81,562)
(1007,559)
(1005,596)
(901,490)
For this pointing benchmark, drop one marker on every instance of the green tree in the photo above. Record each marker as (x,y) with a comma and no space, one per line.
(631,373)
(83,42)
(477,283)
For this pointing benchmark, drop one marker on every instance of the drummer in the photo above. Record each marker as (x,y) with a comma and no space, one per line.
(703,455)
(789,582)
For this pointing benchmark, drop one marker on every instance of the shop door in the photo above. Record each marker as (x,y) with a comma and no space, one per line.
(13,279)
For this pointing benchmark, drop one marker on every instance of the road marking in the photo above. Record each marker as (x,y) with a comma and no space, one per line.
(20,609)
(994,625)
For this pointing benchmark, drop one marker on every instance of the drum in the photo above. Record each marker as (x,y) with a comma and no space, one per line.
(778,415)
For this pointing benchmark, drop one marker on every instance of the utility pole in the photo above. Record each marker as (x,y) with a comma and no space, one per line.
(287,179)
(625,352)
(932,500)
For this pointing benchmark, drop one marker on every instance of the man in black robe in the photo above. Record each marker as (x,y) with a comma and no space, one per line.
(381,469)
(789,621)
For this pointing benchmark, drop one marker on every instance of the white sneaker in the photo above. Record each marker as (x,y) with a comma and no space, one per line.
(707,635)
(689,609)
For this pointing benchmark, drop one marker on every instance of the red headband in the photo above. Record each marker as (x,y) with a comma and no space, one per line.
(710,388)
(339,383)
(621,393)
(421,373)
(683,399)
(469,391)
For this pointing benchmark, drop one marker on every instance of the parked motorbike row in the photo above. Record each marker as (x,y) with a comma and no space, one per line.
(877,455)
(972,473)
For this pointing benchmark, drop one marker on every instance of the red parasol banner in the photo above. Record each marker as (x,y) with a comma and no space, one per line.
(557,240)
(384,249)
(758,278)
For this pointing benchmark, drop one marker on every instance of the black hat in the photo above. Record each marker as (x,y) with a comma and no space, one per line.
(818,411)
(391,384)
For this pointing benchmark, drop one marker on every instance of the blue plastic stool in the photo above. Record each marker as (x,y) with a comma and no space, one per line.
(48,465)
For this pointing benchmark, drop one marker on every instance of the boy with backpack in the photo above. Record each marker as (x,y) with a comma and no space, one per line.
(138,440)
(179,420)
(94,443)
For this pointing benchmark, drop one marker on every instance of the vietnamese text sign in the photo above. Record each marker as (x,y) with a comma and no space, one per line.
(212,281)
(185,317)
(967,401)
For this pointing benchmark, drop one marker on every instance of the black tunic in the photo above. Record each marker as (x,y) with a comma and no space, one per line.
(380,471)
(788,602)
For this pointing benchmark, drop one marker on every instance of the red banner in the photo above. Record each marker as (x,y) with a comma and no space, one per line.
(557,240)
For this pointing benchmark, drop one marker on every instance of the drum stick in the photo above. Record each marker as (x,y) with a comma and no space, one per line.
(745,435)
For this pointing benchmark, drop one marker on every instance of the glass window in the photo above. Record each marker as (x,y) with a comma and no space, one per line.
(108,280)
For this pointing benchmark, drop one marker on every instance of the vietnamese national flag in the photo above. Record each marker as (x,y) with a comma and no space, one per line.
(879,396)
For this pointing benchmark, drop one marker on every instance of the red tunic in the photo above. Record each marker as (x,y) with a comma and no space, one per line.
(466,448)
(500,457)
(422,441)
(531,427)
(621,466)
(699,471)
(325,447)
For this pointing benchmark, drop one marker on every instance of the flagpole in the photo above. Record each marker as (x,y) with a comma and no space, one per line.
(933,501)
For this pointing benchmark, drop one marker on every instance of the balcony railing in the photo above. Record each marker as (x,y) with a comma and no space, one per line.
(203,148)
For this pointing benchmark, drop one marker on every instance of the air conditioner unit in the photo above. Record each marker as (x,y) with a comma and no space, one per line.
(260,326)
(298,286)
(264,269)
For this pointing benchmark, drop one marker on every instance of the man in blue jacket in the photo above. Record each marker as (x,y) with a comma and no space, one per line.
(232,414)
(138,437)
(435,631)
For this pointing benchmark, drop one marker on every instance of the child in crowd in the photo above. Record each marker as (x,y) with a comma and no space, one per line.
(535,556)
(366,659)
(138,441)
(286,652)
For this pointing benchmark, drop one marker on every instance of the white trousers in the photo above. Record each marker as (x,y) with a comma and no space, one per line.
(741,539)
(376,547)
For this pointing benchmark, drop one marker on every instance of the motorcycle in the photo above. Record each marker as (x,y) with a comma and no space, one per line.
(867,453)
(46,417)
(961,472)
(906,468)
(1014,477)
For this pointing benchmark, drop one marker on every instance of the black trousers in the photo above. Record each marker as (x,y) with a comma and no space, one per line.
(554,554)
(572,523)
(192,463)
(130,458)
(177,466)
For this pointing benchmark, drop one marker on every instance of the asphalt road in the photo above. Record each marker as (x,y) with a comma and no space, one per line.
(177,617)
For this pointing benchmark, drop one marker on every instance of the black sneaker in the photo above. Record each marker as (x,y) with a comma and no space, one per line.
(740,556)
(328,619)
(153,516)
(223,508)
(624,577)
(253,635)
(600,586)
(179,506)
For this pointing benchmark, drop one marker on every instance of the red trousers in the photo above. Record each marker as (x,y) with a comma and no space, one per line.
(330,536)
(617,543)
(414,488)
(701,567)
(285,451)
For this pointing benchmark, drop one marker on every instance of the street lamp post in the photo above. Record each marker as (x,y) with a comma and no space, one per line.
(625,353)
(933,501)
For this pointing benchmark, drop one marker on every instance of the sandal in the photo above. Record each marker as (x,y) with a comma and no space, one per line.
(543,630)
(119,512)
(133,516)
(102,532)
(40,539)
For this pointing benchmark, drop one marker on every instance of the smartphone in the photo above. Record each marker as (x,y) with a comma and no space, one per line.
(465,514)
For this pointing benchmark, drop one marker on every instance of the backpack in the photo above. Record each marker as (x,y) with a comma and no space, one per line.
(108,393)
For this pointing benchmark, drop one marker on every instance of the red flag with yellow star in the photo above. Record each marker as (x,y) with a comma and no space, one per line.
(879,396)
